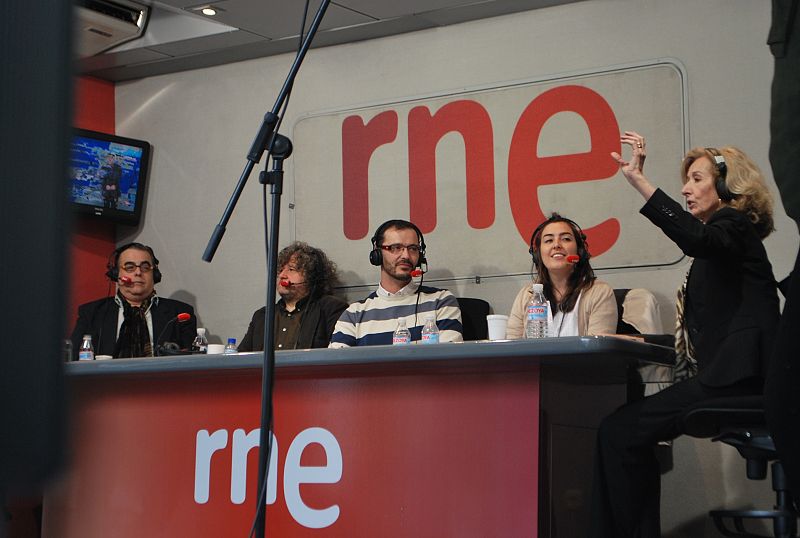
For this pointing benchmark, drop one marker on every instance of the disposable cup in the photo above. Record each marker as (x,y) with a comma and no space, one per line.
(216,349)
(497,324)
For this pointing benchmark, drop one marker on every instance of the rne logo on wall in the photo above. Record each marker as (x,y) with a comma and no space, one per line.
(526,170)
(294,474)
(477,170)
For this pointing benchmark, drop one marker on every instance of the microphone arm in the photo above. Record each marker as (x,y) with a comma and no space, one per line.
(264,136)
(279,147)
(180,318)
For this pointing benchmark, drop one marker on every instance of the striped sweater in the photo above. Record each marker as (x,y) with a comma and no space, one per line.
(372,321)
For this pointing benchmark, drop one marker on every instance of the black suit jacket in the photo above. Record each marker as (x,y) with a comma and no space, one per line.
(99,318)
(316,325)
(732,279)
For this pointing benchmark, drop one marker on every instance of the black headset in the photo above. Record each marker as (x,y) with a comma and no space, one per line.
(583,244)
(376,256)
(112,268)
(720,185)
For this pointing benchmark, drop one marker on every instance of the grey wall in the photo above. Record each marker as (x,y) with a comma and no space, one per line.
(201,124)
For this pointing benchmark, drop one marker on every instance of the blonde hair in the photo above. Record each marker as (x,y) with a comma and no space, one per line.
(745,182)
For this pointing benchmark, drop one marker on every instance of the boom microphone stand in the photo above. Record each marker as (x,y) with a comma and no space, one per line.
(279,148)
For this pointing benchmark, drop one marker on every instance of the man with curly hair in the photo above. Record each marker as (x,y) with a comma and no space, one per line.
(307,311)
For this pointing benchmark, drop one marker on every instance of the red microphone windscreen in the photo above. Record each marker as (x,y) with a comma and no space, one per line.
(417,272)
(184,316)
(573,258)
(285,283)
(125,279)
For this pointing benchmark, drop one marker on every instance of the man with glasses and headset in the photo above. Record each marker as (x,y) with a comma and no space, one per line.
(399,249)
(135,321)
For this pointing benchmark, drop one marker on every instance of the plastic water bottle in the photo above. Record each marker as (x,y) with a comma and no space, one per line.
(536,314)
(230,347)
(402,336)
(86,352)
(200,344)
(430,331)
(66,349)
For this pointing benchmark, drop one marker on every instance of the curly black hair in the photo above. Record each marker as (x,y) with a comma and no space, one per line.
(319,271)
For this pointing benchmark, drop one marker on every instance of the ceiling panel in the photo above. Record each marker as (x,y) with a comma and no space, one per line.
(179,38)
(483,10)
(120,59)
(274,20)
(382,9)
(207,43)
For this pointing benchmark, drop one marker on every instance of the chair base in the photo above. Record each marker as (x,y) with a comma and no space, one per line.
(784,522)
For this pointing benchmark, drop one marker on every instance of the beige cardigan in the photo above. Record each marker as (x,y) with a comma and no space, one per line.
(597,311)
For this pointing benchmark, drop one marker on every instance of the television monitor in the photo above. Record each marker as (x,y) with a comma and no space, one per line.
(108,174)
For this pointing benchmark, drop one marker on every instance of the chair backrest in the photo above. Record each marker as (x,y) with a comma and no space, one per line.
(473,318)
(638,312)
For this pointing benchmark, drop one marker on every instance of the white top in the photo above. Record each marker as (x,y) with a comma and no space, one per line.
(564,324)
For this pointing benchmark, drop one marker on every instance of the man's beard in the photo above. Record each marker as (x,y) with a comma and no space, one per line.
(393,272)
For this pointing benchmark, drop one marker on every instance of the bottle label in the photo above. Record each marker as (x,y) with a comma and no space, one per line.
(537,313)
(432,338)
(401,340)
(85,356)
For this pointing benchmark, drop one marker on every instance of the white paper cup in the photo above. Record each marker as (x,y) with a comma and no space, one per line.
(103,357)
(497,324)
(215,349)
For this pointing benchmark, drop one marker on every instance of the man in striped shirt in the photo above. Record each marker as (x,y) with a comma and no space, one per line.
(398,248)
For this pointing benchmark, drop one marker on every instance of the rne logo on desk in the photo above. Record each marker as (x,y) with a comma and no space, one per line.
(294,473)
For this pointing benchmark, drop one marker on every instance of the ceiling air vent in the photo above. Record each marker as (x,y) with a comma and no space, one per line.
(103,24)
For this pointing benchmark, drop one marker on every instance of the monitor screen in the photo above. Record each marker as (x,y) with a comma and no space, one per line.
(108,175)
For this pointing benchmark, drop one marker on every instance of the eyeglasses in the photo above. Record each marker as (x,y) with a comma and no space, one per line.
(130,267)
(397,248)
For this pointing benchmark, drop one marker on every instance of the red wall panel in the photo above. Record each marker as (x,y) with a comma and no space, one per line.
(92,239)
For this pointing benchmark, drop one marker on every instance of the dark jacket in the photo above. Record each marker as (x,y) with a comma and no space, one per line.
(99,318)
(732,307)
(316,325)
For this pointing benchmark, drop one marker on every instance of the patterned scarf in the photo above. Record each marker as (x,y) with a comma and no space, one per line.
(685,363)
(134,336)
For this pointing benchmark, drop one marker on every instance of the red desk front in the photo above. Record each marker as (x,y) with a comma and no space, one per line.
(421,441)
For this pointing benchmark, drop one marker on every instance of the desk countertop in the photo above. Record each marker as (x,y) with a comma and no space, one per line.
(579,352)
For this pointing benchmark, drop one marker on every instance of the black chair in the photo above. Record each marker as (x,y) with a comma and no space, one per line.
(473,318)
(740,422)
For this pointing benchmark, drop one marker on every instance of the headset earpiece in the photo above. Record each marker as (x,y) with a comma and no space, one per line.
(720,184)
(112,272)
(375,256)
(532,250)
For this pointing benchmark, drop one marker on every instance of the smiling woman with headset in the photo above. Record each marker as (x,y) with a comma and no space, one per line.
(581,304)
